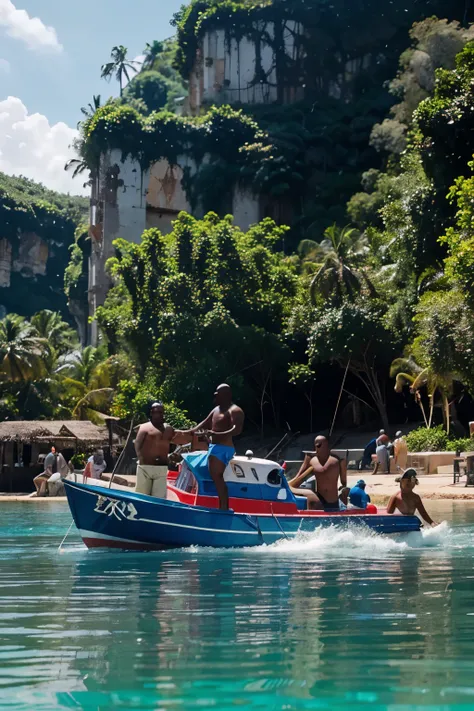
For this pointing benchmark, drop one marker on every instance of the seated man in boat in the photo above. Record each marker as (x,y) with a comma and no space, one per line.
(152,446)
(406,501)
(328,469)
(225,422)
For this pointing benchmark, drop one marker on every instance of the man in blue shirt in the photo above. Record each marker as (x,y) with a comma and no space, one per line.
(358,496)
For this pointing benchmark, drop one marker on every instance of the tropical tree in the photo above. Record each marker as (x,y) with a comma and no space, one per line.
(22,350)
(152,52)
(356,337)
(120,66)
(407,371)
(341,274)
(89,110)
(90,378)
(205,303)
(50,326)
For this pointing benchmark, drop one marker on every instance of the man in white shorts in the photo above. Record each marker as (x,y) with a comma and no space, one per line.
(153,447)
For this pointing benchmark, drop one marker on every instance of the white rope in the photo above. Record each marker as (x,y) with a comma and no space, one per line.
(67,534)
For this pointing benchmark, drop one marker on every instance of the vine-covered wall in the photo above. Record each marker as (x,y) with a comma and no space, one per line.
(36,230)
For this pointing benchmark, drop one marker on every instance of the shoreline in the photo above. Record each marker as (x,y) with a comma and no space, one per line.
(381,499)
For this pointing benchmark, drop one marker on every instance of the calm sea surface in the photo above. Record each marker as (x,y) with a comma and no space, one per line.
(341,620)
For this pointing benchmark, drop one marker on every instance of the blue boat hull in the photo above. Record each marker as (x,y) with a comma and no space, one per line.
(116,519)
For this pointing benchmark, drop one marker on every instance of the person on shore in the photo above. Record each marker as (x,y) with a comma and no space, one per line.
(223,423)
(327,469)
(370,449)
(54,463)
(400,450)
(383,455)
(96,465)
(358,496)
(406,501)
(152,446)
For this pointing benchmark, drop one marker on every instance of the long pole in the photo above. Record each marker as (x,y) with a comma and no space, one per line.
(121,454)
(339,398)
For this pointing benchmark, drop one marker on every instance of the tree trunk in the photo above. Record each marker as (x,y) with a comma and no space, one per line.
(372,385)
(431,411)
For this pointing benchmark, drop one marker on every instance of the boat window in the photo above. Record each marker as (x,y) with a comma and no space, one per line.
(186,480)
(239,472)
(274,478)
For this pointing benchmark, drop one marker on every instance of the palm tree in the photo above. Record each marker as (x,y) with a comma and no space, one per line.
(90,379)
(119,66)
(152,52)
(89,110)
(407,371)
(22,350)
(339,275)
(51,327)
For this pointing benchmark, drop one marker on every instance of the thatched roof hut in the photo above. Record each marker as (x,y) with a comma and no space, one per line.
(61,432)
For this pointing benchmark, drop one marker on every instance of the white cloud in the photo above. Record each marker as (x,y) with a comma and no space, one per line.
(31,30)
(30,146)
(140,58)
(4,66)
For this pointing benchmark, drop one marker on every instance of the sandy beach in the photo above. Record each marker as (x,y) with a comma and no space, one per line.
(380,488)
(431,486)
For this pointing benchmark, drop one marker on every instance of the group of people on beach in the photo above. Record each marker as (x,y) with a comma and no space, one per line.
(55,464)
(380,449)
(329,473)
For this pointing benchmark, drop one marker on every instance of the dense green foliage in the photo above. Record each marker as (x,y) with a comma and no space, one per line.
(206,303)
(158,84)
(382,145)
(44,374)
(27,208)
(435,439)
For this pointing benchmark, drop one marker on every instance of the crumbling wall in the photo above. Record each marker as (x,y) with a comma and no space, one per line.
(243,70)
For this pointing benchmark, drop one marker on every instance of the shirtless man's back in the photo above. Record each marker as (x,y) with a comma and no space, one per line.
(225,422)
(327,469)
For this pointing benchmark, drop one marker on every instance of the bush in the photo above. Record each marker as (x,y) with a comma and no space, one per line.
(463,444)
(79,460)
(423,439)
(134,398)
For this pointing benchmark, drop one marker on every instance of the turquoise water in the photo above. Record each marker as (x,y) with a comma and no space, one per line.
(340,620)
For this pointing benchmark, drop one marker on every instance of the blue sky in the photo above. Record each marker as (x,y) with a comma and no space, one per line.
(51,52)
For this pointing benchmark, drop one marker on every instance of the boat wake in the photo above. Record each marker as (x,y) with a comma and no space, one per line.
(352,542)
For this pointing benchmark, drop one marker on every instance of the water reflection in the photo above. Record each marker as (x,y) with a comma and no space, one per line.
(335,622)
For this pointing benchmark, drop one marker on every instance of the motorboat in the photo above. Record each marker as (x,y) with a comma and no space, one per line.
(263,510)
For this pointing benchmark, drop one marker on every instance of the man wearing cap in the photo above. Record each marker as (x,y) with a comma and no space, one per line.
(358,495)
(400,451)
(406,501)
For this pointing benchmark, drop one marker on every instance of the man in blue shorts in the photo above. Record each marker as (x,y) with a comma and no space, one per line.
(225,422)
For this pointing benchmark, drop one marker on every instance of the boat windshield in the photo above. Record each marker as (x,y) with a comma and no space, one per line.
(186,480)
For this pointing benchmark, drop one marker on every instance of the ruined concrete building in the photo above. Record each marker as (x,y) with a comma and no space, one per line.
(127,200)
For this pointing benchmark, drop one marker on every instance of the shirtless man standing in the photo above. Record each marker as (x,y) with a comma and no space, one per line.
(406,501)
(222,424)
(327,468)
(153,447)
